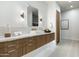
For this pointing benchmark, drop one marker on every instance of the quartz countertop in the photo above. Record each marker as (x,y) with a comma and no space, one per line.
(4,39)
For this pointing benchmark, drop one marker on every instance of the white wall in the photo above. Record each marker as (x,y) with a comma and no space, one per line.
(73,32)
(52,7)
(10,14)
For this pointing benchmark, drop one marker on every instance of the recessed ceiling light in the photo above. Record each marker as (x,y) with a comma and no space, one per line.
(71,6)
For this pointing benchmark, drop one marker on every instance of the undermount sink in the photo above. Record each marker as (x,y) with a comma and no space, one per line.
(36,32)
(17,33)
(1,36)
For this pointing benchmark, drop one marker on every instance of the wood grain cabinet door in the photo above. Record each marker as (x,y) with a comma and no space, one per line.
(20,45)
(8,49)
(31,44)
(3,50)
(19,52)
(25,41)
(35,42)
(43,39)
(11,48)
(38,42)
(12,53)
(47,38)
(52,37)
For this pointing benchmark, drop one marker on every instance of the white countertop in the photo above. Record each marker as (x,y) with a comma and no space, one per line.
(4,39)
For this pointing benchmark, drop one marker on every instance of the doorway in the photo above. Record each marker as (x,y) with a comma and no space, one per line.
(57,27)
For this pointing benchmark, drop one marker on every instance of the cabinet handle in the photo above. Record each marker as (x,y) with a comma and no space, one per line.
(11,51)
(5,54)
(11,45)
(30,40)
(29,44)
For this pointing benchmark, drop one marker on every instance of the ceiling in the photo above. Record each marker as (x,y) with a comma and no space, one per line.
(65,5)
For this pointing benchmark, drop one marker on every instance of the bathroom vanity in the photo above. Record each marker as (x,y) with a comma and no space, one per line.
(20,45)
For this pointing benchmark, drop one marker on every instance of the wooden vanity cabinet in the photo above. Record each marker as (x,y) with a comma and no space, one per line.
(3,51)
(38,41)
(20,44)
(20,47)
(29,45)
(35,42)
(49,37)
(43,41)
(25,46)
(52,37)
(8,49)
(11,48)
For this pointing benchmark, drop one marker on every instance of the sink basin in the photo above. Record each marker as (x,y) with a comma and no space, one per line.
(37,32)
(17,33)
(1,36)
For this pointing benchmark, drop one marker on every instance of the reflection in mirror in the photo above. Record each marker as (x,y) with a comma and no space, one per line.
(32,16)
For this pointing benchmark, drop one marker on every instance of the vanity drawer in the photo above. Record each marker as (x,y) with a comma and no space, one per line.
(31,44)
(29,40)
(3,52)
(39,42)
(11,44)
(3,49)
(20,52)
(1,45)
(11,48)
(30,47)
(20,47)
(52,37)
(20,43)
(26,41)
(12,53)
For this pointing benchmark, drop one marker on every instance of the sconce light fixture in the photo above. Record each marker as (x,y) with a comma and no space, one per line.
(22,15)
(40,19)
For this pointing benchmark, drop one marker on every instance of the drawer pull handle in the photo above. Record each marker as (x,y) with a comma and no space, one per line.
(30,40)
(11,51)
(11,45)
(29,44)
(4,54)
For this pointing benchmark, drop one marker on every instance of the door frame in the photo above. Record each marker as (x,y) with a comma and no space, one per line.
(58,27)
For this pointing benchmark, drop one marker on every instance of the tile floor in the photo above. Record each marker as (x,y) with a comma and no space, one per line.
(66,48)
